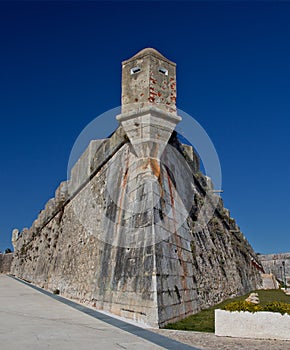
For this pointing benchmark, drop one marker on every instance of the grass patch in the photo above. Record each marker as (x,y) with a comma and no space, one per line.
(269,296)
(204,320)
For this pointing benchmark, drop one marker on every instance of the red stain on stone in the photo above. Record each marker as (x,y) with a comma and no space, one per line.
(154,164)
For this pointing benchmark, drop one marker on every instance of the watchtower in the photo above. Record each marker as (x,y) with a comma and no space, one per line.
(148,78)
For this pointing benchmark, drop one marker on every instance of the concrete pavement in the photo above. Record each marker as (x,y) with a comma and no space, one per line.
(31,318)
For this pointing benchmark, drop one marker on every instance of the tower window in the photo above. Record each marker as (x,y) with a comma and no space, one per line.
(135,70)
(163,70)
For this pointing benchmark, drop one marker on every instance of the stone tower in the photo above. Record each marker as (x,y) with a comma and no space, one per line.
(126,239)
(148,79)
(148,102)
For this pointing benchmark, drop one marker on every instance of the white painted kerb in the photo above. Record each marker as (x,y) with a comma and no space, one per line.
(244,324)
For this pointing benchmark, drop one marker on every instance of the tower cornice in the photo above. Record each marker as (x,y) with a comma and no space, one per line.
(149,51)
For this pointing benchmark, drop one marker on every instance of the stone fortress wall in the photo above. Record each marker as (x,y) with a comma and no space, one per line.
(273,263)
(116,236)
(5,262)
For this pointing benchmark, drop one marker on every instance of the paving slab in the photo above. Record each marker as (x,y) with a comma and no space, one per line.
(31,318)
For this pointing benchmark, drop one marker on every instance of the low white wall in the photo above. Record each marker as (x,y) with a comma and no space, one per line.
(262,325)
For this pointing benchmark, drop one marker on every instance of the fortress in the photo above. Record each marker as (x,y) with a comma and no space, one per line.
(137,230)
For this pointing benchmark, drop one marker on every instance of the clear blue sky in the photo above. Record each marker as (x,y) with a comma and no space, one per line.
(61,67)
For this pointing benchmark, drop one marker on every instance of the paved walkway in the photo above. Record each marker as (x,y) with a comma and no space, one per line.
(36,320)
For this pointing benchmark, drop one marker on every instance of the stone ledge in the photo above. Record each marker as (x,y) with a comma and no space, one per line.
(147,111)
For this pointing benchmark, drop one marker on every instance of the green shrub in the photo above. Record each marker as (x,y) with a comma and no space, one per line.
(242,306)
(275,306)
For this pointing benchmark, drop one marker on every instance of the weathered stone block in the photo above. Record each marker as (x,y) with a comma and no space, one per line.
(261,325)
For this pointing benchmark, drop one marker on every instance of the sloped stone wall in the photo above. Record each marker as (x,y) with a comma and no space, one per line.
(69,247)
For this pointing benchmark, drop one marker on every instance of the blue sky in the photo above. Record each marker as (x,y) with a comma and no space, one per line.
(61,67)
